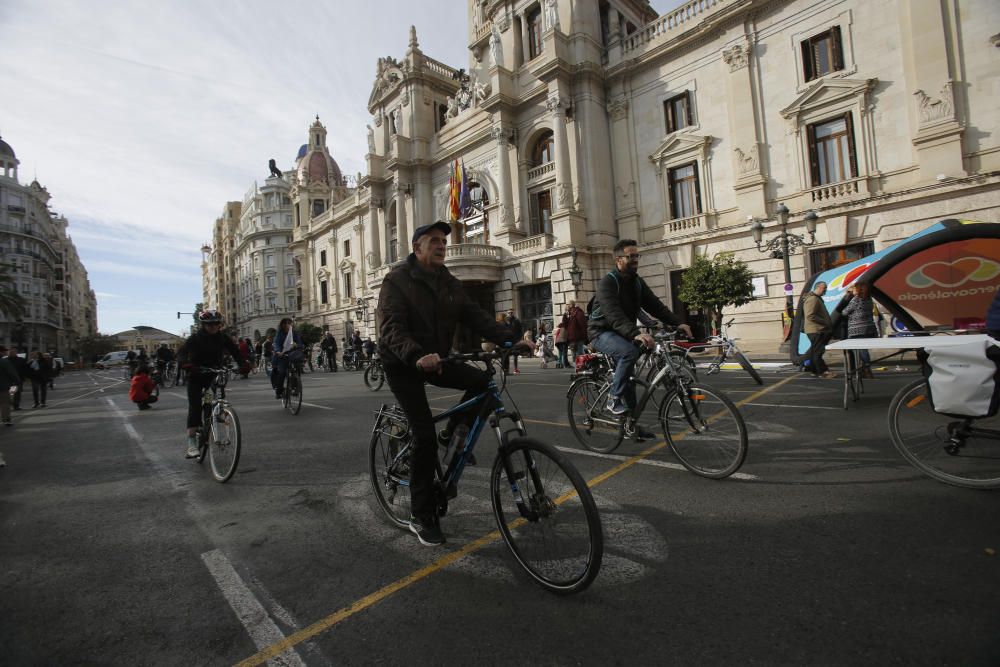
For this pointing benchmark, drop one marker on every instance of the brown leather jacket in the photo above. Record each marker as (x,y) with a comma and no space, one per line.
(417,317)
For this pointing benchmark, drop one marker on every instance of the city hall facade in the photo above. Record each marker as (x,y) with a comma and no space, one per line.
(583,122)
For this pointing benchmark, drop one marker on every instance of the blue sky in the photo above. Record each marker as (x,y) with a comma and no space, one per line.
(144,119)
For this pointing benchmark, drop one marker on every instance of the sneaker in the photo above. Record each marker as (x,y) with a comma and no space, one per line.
(144,406)
(428,532)
(616,406)
(828,375)
(278,395)
(192,449)
(641,433)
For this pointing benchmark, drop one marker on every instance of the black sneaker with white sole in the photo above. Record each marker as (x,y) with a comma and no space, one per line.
(427,531)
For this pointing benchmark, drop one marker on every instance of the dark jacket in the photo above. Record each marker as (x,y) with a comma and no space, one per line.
(279,340)
(8,375)
(860,317)
(619,300)
(575,323)
(329,344)
(206,350)
(418,313)
(20,367)
(993,314)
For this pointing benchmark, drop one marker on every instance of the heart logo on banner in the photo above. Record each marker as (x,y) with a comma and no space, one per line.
(953,274)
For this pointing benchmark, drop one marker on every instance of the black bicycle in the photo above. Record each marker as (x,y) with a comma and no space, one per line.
(291,397)
(543,508)
(219,436)
(375,374)
(702,425)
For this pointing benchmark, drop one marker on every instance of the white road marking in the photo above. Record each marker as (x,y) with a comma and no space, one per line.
(647,462)
(797,407)
(249,610)
(321,407)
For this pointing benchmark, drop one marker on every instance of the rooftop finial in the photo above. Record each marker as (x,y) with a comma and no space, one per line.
(413,37)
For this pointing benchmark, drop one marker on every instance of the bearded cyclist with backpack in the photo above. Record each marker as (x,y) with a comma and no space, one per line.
(612,329)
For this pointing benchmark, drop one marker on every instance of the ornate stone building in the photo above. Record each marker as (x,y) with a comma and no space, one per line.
(42,261)
(580,122)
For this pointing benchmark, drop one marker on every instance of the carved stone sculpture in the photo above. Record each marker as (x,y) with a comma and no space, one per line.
(551,15)
(748,162)
(932,109)
(496,47)
(371,139)
(274,168)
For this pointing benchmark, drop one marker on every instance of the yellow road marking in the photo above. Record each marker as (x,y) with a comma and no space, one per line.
(369,600)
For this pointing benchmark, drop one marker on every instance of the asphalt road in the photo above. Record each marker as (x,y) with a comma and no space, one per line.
(828,549)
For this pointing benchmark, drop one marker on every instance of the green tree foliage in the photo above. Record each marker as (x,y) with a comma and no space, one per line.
(311,334)
(96,346)
(198,307)
(11,303)
(713,284)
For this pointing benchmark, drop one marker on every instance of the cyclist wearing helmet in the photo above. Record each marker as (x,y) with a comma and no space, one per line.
(205,348)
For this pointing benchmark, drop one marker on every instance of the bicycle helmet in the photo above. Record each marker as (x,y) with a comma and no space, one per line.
(210,317)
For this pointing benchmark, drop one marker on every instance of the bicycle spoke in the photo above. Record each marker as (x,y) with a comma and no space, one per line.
(706,431)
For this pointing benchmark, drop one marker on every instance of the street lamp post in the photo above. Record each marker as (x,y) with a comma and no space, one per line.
(575,272)
(785,243)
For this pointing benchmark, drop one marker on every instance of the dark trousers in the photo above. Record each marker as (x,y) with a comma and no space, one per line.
(407,385)
(149,401)
(16,398)
(331,360)
(279,367)
(817,347)
(196,384)
(39,388)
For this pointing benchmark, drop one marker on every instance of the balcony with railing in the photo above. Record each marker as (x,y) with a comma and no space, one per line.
(667,27)
(474,261)
(689,225)
(541,172)
(533,244)
(839,192)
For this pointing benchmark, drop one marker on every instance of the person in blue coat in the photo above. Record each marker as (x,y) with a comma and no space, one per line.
(286,342)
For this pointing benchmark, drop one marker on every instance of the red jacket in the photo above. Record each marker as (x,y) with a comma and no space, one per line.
(142,387)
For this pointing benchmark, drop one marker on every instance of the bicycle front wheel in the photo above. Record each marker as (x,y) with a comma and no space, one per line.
(705,430)
(962,452)
(748,367)
(374,377)
(224,442)
(547,515)
(389,470)
(293,392)
(593,425)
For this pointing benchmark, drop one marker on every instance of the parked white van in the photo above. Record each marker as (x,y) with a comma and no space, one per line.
(112,359)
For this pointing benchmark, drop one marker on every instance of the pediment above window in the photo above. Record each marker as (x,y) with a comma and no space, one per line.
(323,273)
(827,93)
(680,146)
(346,265)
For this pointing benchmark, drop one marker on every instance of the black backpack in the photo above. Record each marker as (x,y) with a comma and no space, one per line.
(594,308)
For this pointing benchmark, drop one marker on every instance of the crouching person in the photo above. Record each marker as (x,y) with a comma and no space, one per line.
(141,391)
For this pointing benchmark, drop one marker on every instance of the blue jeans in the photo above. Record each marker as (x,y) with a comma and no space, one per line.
(625,354)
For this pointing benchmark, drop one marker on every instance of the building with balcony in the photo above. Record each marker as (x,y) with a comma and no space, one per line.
(44,267)
(581,122)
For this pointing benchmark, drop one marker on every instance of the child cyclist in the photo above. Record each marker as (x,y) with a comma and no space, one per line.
(204,349)
(141,390)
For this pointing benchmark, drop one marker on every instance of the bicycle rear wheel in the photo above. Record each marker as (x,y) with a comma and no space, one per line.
(956,451)
(224,442)
(594,427)
(705,430)
(292,397)
(547,515)
(748,367)
(389,470)
(374,377)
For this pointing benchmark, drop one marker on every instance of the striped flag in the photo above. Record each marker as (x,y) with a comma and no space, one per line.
(454,193)
(464,200)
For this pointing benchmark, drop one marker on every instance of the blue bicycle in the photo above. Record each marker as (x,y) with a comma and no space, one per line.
(543,508)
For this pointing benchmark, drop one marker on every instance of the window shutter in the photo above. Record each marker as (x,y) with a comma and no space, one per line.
(672,205)
(838,52)
(535,222)
(687,107)
(807,61)
(813,158)
(697,189)
(848,120)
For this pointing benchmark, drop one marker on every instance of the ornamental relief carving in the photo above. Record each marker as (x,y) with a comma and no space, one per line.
(933,109)
(747,163)
(737,56)
(618,108)
(555,103)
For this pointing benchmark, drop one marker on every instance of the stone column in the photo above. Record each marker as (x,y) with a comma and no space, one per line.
(744,118)
(506,211)
(403,229)
(564,182)
(523,165)
(374,256)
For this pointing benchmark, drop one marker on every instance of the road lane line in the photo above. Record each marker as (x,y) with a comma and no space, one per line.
(321,407)
(796,407)
(646,462)
(364,603)
(262,630)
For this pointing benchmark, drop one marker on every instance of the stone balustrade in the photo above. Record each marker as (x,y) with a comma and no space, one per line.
(439,68)
(532,244)
(835,191)
(670,23)
(694,223)
(537,173)
(474,250)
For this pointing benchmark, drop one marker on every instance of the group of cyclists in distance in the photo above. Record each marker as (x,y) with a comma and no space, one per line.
(420,307)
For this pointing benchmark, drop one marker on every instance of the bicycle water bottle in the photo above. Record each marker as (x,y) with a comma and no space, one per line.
(457,443)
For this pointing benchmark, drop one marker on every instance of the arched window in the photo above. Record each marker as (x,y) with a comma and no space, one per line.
(475,229)
(542,153)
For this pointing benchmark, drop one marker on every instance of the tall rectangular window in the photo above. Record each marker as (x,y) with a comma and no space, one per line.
(685,191)
(270,281)
(324,296)
(677,111)
(322,257)
(392,242)
(347,247)
(534,19)
(348,292)
(822,54)
(832,158)
(541,212)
